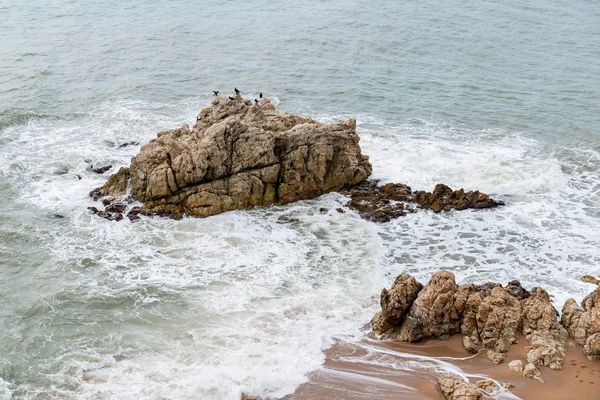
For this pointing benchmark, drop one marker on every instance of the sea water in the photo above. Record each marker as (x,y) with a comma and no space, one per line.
(500,96)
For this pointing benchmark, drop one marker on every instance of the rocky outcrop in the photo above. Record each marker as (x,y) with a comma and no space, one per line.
(238,155)
(454,388)
(490,317)
(393,200)
(548,339)
(583,323)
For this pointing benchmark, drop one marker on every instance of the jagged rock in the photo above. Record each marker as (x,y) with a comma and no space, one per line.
(444,198)
(499,322)
(239,155)
(454,388)
(433,313)
(379,203)
(116,186)
(516,365)
(583,323)
(531,371)
(246,397)
(101,170)
(396,301)
(548,339)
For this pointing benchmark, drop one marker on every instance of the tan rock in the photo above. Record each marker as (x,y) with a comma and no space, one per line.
(433,313)
(531,371)
(516,365)
(239,155)
(548,338)
(488,386)
(590,279)
(583,323)
(396,301)
(499,322)
(454,388)
(495,356)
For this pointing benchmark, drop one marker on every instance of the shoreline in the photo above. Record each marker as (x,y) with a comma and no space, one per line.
(386,369)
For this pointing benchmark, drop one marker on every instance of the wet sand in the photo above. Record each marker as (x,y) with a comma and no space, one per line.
(373,369)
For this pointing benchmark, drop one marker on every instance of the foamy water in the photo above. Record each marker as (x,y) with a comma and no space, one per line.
(210,308)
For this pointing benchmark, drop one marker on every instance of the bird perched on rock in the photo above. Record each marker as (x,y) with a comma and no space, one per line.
(256,101)
(231,98)
(197,118)
(260,95)
(215,92)
(236,91)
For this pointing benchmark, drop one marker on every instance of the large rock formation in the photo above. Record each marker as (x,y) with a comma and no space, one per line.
(490,317)
(238,155)
(583,323)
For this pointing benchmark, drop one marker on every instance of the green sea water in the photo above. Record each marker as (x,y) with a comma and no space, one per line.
(500,96)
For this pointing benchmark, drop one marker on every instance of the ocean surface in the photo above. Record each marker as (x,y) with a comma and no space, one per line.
(500,96)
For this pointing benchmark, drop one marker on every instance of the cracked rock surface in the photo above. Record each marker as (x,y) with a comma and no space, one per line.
(239,155)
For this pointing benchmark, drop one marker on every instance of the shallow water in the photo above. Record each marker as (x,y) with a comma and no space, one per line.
(498,96)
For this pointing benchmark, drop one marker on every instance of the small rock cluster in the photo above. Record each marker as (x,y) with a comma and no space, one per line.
(393,200)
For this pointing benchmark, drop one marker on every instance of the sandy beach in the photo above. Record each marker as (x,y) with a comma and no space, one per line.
(373,369)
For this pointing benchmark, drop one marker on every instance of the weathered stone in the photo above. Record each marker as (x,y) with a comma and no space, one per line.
(499,322)
(583,323)
(116,185)
(548,339)
(531,371)
(396,301)
(516,365)
(454,388)
(239,155)
(433,313)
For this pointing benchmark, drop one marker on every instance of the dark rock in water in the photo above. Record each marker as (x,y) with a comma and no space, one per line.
(340,210)
(384,203)
(583,323)
(445,199)
(116,207)
(101,170)
(323,210)
(379,203)
(61,172)
(59,216)
(132,143)
(103,214)
(286,220)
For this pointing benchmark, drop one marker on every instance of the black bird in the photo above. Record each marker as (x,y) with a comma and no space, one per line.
(216,92)
(256,101)
(236,91)
(260,95)
(231,98)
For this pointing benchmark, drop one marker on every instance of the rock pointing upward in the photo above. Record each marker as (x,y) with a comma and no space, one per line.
(239,155)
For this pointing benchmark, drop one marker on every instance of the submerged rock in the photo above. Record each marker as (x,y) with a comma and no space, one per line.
(239,155)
